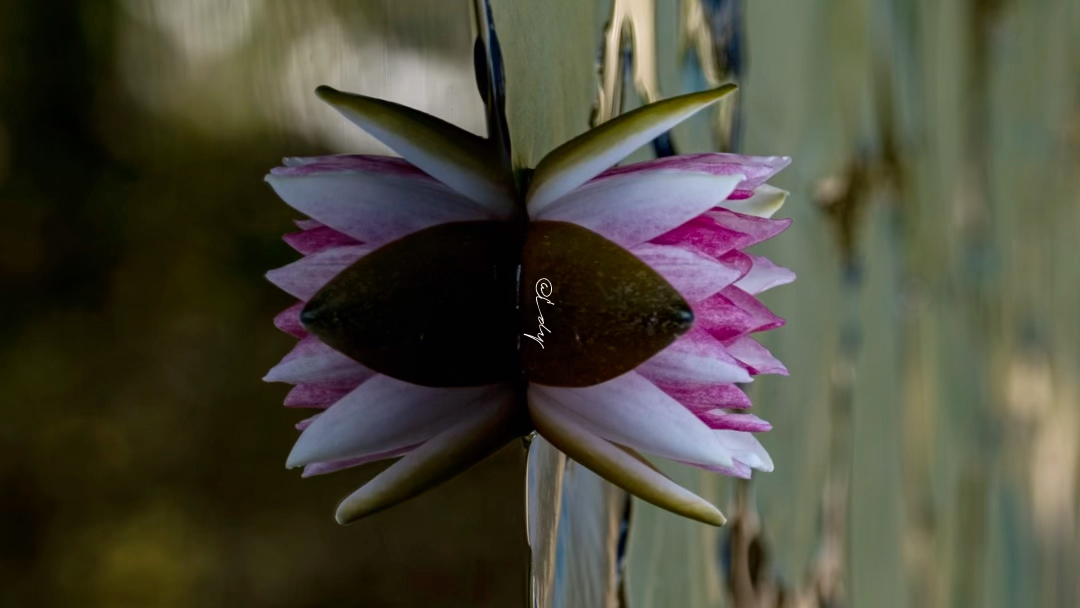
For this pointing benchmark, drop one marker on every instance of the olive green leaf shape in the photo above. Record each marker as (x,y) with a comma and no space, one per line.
(582,158)
(464,161)
(466,443)
(435,308)
(594,311)
(620,465)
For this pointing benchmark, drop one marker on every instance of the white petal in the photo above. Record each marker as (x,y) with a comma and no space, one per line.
(695,358)
(757,169)
(457,158)
(333,466)
(764,275)
(375,207)
(745,448)
(766,201)
(381,415)
(621,466)
(693,275)
(472,437)
(632,208)
(313,362)
(305,277)
(584,157)
(632,411)
(307,224)
(755,356)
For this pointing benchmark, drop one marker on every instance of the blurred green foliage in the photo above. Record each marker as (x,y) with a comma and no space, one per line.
(142,457)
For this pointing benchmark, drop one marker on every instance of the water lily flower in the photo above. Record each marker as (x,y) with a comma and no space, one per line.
(444,310)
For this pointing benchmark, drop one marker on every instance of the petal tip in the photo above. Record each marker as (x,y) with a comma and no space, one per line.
(298,457)
(582,158)
(351,511)
(326,93)
(273,375)
(722,90)
(713,518)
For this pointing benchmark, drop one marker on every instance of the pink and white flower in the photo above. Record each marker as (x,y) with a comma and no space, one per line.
(648,326)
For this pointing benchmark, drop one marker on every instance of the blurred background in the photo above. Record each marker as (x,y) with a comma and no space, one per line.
(927,442)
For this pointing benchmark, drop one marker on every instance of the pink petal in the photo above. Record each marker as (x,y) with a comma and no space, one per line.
(745,448)
(701,397)
(738,469)
(373,199)
(764,275)
(384,414)
(306,422)
(313,362)
(705,235)
(633,208)
(696,357)
(722,318)
(317,395)
(764,318)
(737,261)
(756,229)
(331,466)
(470,437)
(693,275)
(613,462)
(288,321)
(719,419)
(632,411)
(307,224)
(732,313)
(755,170)
(306,276)
(318,239)
(755,357)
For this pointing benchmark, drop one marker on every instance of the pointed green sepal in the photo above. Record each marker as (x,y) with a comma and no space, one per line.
(474,438)
(622,466)
(584,157)
(464,161)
